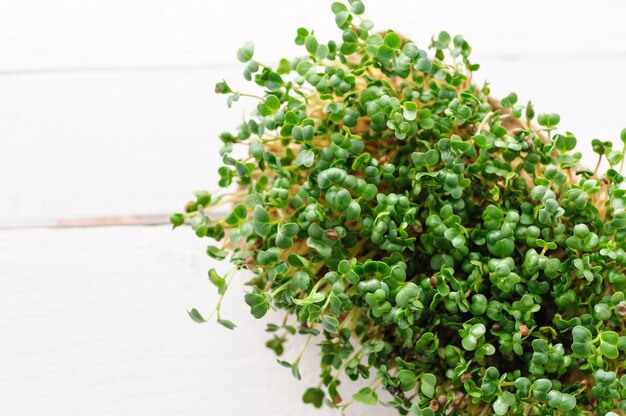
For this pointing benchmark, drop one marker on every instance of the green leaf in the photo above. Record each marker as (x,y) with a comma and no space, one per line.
(385,53)
(261,224)
(407,294)
(342,19)
(232,99)
(423,65)
(608,344)
(285,235)
(297,260)
(541,388)
(237,215)
(196,316)
(409,111)
(331,176)
(226,324)
(472,336)
(564,143)
(276,345)
(581,347)
(408,379)
(561,401)
(246,52)
(289,229)
(442,41)
(218,281)
(393,40)
(321,52)
(548,120)
(427,387)
(357,7)
(260,214)
(300,280)
(337,7)
(483,141)
(343,267)
(353,211)
(320,246)
(273,103)
(222,88)
(456,237)
(177,220)
(367,396)
(309,300)
(267,257)
(311,44)
(503,402)
(330,324)
(523,384)
(259,305)
(216,253)
(305,159)
(313,396)
(429,158)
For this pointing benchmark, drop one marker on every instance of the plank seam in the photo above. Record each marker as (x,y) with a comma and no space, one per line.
(105,221)
(204,67)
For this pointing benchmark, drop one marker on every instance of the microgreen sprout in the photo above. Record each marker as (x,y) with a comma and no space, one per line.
(442,244)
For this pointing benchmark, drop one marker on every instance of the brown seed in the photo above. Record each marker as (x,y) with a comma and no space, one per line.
(466,377)
(434,281)
(189,205)
(434,404)
(442,399)
(523,329)
(621,309)
(383,159)
(332,234)
(337,399)
(417,229)
(496,326)
(250,263)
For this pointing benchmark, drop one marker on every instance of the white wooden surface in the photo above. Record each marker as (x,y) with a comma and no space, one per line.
(106,108)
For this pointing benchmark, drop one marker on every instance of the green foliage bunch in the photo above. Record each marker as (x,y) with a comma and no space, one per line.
(444,245)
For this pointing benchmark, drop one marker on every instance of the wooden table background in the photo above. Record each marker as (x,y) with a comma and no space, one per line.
(107,109)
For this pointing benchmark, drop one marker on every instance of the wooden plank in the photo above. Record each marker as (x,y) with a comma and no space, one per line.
(108,144)
(125,34)
(111,221)
(88,145)
(94,320)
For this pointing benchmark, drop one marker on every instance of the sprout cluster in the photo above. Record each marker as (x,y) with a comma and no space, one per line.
(442,244)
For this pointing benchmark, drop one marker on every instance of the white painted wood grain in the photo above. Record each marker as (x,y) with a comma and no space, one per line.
(109,34)
(82,144)
(94,322)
